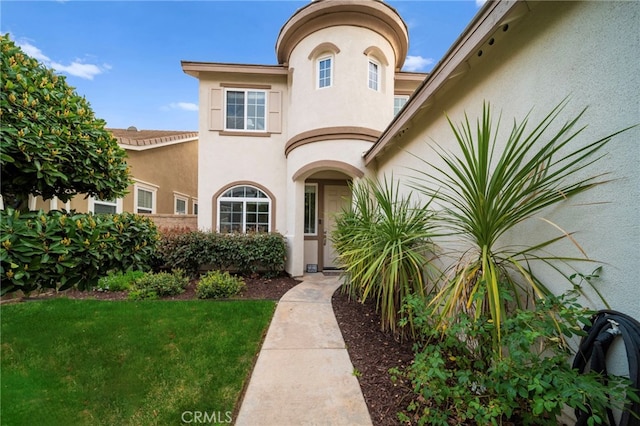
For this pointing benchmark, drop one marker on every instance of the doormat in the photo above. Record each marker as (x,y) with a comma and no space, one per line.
(331,273)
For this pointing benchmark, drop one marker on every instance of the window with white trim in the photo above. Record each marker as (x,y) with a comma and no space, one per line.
(98,206)
(180,204)
(325,72)
(244,209)
(195,207)
(144,198)
(310,209)
(374,75)
(246,110)
(398,103)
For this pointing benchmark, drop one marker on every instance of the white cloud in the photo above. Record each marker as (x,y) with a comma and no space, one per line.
(76,68)
(480,3)
(186,106)
(416,63)
(33,51)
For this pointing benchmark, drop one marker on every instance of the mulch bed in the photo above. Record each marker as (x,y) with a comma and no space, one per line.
(372,352)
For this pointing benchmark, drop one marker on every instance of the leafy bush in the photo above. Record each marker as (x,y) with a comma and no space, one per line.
(119,281)
(51,143)
(243,253)
(153,286)
(65,249)
(217,284)
(383,241)
(458,374)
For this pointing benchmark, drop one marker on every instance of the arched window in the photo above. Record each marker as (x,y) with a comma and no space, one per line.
(244,209)
(376,64)
(324,55)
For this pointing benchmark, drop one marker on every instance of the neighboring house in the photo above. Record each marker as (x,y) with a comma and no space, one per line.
(164,168)
(279,143)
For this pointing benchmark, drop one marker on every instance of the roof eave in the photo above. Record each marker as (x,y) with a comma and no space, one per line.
(194,69)
(489,18)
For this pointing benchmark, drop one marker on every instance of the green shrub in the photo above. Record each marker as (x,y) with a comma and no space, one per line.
(384,243)
(64,249)
(119,281)
(458,374)
(242,253)
(217,284)
(153,286)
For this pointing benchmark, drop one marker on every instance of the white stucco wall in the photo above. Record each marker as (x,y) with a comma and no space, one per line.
(224,159)
(349,101)
(588,51)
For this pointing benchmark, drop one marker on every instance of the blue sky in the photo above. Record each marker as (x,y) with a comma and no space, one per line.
(124,56)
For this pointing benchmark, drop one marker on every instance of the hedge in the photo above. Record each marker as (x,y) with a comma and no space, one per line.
(61,250)
(245,254)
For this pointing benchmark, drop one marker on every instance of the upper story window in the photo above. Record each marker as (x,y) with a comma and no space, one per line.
(374,75)
(245,110)
(325,72)
(244,209)
(398,103)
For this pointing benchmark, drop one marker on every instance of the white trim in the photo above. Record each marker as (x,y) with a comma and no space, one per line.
(194,206)
(246,118)
(398,97)
(145,187)
(332,66)
(92,201)
(156,145)
(143,183)
(244,201)
(316,208)
(180,197)
(378,80)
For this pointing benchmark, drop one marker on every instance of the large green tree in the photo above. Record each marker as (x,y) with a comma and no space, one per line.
(51,143)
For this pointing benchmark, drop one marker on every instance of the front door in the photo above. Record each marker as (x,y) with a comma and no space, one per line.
(335,198)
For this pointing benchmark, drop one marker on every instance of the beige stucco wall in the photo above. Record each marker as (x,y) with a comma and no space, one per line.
(588,51)
(172,168)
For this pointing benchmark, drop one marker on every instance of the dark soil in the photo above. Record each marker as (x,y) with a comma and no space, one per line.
(372,352)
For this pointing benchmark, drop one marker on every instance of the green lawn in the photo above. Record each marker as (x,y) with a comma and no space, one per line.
(88,362)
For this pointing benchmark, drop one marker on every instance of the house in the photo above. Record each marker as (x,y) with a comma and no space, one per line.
(164,168)
(280,143)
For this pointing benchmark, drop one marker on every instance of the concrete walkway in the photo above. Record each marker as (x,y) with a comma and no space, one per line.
(303,375)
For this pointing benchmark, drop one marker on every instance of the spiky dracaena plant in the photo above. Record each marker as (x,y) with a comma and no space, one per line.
(486,190)
(383,242)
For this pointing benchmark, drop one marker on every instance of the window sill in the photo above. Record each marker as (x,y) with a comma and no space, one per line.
(255,134)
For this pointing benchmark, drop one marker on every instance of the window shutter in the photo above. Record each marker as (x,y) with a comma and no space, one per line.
(215,110)
(275,112)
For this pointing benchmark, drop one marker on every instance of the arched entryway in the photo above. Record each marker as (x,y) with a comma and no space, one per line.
(326,192)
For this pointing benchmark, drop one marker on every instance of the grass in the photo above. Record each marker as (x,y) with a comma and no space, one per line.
(88,362)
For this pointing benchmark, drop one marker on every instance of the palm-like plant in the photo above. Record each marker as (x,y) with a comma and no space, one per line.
(486,190)
(383,243)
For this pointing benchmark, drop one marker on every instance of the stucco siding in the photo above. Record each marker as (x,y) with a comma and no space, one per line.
(173,168)
(589,52)
(348,101)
